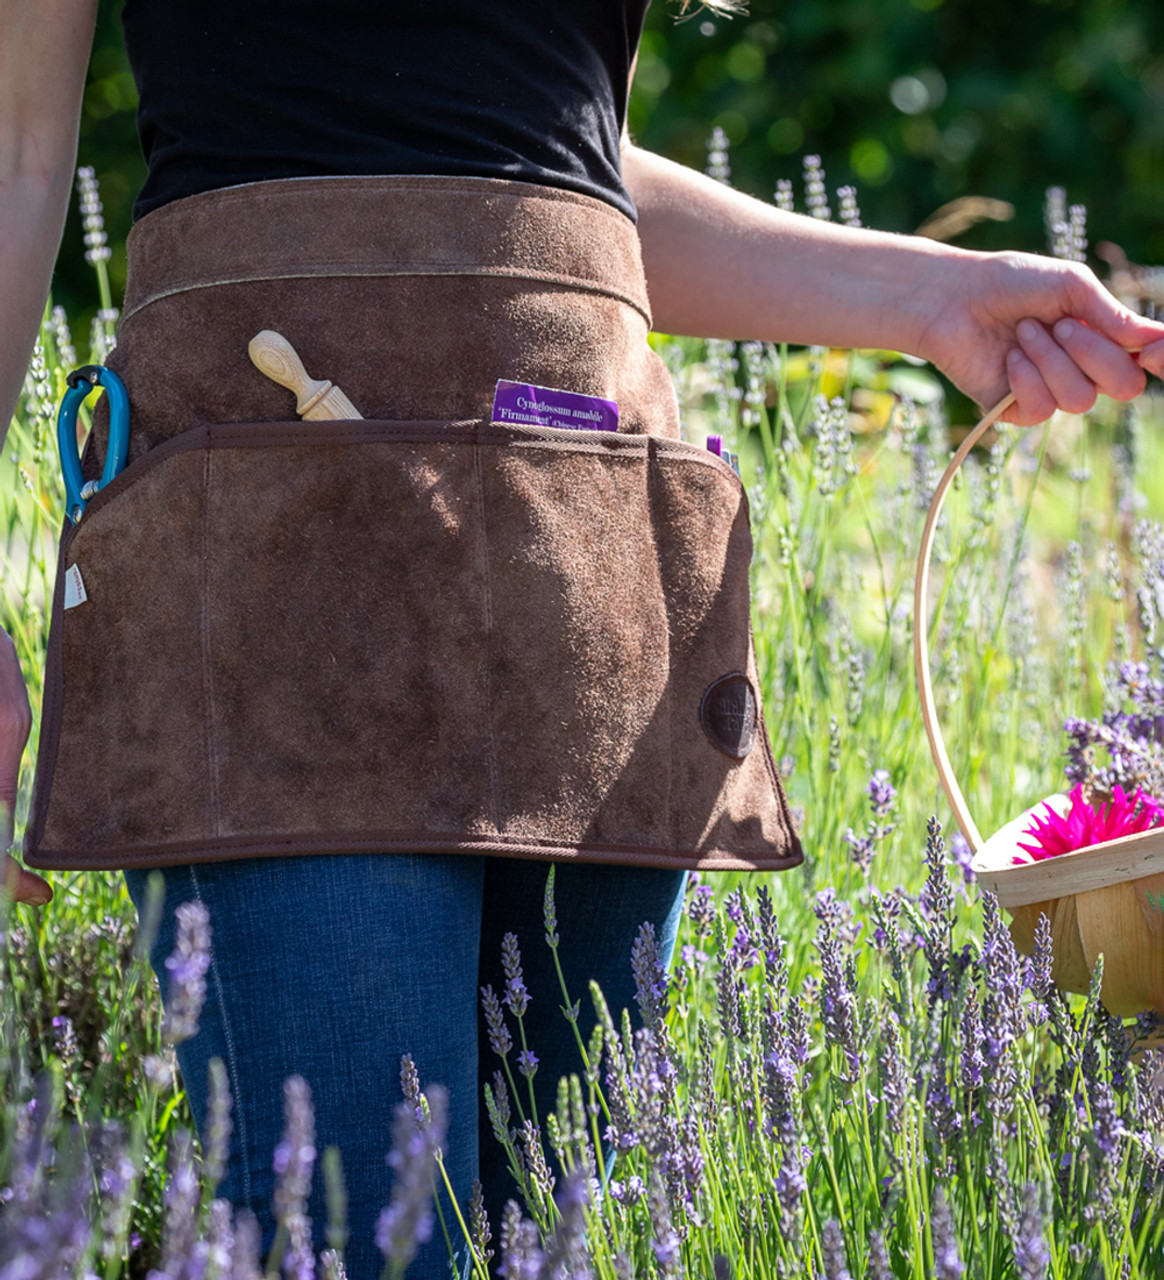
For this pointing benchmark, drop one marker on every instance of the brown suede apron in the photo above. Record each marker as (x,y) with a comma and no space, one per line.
(420,631)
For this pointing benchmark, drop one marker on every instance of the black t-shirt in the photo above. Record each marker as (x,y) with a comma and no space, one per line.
(247,90)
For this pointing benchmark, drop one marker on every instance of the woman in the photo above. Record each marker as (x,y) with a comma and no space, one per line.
(331,966)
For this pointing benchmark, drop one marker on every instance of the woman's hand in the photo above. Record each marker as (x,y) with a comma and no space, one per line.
(1045,329)
(15,723)
(722,265)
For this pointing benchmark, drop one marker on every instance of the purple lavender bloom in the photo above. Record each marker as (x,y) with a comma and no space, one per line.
(187,968)
(826,908)
(245,1263)
(948,1264)
(882,795)
(516,996)
(1032,1256)
(895,1082)
(500,1041)
(838,1002)
(1003,1020)
(407,1222)
(219,1243)
(218,1127)
(44,1228)
(567,1253)
(497,1107)
(627,1193)
(942,1115)
(293,1164)
(743,954)
(1118,1051)
(861,850)
(1040,970)
(540,1180)
(963,859)
(701,907)
(832,1244)
(665,1243)
(972,1063)
(181,1199)
(650,977)
(729,993)
(410,1085)
(521,1254)
(693,960)
(479,1223)
(772,941)
(527,1063)
(116,1179)
(878,1267)
(937,905)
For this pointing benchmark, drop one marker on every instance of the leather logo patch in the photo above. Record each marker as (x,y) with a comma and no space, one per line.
(728,714)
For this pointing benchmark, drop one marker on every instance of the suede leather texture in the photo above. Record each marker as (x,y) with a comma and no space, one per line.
(420,631)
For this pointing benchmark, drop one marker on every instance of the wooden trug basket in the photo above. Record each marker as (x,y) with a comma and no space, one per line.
(1106,899)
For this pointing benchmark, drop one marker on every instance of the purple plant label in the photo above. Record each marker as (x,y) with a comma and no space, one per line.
(519,403)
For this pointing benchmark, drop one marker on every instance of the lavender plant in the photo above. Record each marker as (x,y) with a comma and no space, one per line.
(848,1069)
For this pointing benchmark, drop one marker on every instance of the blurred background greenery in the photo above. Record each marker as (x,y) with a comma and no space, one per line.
(915,102)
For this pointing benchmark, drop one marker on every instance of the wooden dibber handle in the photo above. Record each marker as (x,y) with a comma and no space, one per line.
(921,630)
(317,400)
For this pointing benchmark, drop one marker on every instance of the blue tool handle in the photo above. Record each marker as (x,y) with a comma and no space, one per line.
(80,383)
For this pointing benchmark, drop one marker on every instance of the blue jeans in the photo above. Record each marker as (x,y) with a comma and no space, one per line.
(332,967)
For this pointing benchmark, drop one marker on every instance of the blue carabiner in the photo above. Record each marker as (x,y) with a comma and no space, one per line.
(80,383)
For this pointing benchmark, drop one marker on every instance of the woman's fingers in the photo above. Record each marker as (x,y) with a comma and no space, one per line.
(1111,369)
(1073,363)
(20,885)
(1068,387)
(1034,402)
(15,722)
(1152,358)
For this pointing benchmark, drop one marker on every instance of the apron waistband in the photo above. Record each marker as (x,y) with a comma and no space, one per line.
(304,228)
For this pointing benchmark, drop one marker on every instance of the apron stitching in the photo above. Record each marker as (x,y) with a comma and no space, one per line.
(341,271)
(207,673)
(651,470)
(494,778)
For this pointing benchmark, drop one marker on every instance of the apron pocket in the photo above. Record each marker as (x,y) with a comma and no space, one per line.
(373,636)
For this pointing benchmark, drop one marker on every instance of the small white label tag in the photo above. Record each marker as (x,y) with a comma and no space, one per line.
(74,587)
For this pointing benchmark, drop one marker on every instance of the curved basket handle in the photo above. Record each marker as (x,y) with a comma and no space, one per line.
(921,629)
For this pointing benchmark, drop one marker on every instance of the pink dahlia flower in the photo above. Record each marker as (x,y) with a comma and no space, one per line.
(1086,824)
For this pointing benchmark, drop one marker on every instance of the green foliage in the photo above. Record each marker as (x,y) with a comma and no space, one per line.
(919,102)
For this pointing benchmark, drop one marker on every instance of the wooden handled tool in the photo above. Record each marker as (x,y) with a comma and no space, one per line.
(273,355)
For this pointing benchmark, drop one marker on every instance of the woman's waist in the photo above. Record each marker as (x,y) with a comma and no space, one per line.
(302,228)
(416,296)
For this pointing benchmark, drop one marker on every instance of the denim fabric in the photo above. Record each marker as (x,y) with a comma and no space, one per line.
(332,967)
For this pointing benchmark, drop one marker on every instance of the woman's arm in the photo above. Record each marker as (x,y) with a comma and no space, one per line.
(720,264)
(43,56)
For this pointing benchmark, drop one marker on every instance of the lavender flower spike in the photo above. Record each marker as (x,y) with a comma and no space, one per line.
(516,996)
(1032,1257)
(832,1243)
(218,1128)
(650,977)
(948,1264)
(187,967)
(407,1222)
(500,1040)
(294,1161)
